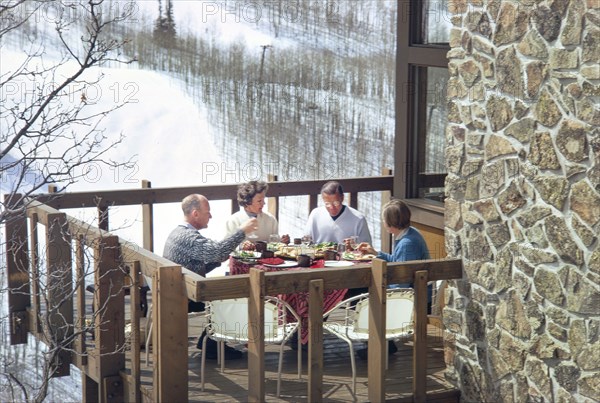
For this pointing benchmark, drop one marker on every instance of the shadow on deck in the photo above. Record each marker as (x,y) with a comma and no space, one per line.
(232,385)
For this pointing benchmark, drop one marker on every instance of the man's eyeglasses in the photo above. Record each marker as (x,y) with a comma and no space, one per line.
(334,204)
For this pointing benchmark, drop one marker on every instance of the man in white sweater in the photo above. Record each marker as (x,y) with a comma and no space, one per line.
(335,221)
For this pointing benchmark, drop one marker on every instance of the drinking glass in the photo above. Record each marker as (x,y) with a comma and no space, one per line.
(341,249)
(306,240)
(273,241)
(354,242)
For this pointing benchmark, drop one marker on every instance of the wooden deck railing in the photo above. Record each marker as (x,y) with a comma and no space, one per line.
(102,358)
(147,197)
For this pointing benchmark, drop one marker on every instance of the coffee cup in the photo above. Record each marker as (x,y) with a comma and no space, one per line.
(331,254)
(304,260)
(267,254)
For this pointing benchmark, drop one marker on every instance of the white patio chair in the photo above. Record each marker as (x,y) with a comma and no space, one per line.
(353,325)
(227,321)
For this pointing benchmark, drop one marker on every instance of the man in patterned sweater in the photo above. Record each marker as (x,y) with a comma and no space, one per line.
(190,249)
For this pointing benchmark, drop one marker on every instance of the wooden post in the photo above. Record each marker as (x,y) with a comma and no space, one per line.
(155,335)
(34,322)
(109,318)
(147,221)
(353,200)
(90,390)
(315,340)
(60,289)
(386,238)
(273,201)
(80,350)
(420,337)
(17,268)
(256,336)
(312,202)
(136,393)
(170,332)
(377,326)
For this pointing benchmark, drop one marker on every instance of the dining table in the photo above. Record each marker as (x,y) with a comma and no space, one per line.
(299,300)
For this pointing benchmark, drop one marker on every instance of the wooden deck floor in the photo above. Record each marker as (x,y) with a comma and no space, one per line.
(232,385)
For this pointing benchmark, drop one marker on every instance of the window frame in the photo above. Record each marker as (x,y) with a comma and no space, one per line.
(410,107)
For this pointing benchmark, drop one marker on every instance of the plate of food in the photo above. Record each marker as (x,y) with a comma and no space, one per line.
(322,247)
(337,263)
(357,256)
(275,246)
(246,255)
(288,252)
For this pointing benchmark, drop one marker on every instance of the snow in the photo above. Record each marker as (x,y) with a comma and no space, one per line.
(166,132)
(225,22)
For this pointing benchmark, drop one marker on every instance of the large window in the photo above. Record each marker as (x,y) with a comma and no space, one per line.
(432,22)
(422,77)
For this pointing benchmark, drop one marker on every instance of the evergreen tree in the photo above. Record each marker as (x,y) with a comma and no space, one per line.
(165,33)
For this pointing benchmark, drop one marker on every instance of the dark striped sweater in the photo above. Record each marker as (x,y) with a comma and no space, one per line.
(192,250)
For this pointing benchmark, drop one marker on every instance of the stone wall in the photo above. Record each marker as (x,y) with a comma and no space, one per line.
(523,200)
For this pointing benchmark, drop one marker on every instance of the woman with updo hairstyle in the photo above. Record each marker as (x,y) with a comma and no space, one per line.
(251,199)
(247,192)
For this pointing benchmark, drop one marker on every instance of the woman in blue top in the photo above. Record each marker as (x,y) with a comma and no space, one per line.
(409,244)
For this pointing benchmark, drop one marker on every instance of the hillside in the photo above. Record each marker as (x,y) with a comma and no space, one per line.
(303,92)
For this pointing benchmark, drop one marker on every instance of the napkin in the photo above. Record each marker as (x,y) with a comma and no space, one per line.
(271,260)
(318,264)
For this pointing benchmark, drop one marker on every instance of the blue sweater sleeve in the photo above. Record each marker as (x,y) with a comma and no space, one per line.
(410,247)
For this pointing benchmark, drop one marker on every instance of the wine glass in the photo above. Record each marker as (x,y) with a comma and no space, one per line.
(306,241)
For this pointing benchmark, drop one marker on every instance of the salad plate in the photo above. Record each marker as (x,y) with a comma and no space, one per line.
(246,255)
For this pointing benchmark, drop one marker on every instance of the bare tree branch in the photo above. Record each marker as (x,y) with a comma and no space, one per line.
(50,134)
(36,120)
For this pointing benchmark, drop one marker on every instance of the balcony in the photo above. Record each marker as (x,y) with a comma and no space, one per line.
(94,336)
